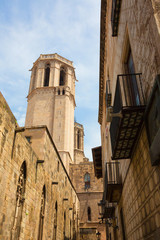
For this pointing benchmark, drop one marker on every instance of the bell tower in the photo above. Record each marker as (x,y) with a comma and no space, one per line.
(51,101)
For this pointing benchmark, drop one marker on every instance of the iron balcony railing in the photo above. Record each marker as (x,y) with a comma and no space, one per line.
(116,6)
(112,173)
(130,101)
(113,182)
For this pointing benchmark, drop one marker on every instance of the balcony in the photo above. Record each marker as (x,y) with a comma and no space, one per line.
(130,102)
(113,183)
(116,6)
(106,209)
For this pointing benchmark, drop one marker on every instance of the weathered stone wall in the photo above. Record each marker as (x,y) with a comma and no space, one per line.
(77,173)
(88,198)
(140,200)
(14,150)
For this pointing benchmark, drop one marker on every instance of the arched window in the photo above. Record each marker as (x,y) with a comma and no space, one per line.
(78,139)
(41,217)
(62,77)
(46,76)
(19,202)
(55,221)
(87,180)
(89,213)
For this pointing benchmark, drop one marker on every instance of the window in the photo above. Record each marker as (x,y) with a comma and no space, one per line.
(55,221)
(87,180)
(62,77)
(64,226)
(46,77)
(78,139)
(89,213)
(28,139)
(58,166)
(132,82)
(41,218)
(19,202)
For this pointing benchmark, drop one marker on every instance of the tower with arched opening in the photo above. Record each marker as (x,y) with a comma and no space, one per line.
(51,101)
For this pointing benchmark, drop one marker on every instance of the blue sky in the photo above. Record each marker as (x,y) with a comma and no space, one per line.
(67,27)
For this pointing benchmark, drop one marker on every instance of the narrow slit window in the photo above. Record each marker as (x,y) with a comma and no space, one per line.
(89,213)
(87,180)
(78,139)
(62,77)
(47,74)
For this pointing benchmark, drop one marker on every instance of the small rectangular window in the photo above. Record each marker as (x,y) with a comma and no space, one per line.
(28,139)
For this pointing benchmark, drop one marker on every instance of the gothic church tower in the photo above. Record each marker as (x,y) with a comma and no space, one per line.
(51,101)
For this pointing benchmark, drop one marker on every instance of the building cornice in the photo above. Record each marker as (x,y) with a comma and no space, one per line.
(103,54)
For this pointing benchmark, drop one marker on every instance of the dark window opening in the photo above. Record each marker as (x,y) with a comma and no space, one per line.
(41,218)
(58,166)
(132,82)
(87,180)
(62,77)
(55,221)
(63,92)
(28,139)
(46,78)
(64,227)
(59,92)
(78,139)
(89,213)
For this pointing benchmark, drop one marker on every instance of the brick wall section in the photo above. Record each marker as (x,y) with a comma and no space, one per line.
(14,150)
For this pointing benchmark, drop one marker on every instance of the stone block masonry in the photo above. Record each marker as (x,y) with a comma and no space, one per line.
(44,172)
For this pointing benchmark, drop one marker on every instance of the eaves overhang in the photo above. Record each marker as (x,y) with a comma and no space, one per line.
(103,53)
(97,160)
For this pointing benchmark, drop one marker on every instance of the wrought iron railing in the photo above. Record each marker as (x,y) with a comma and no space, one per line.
(129,91)
(112,175)
(116,6)
(130,101)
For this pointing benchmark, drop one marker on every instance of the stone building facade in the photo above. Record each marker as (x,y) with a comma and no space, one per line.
(129,115)
(38,199)
(89,190)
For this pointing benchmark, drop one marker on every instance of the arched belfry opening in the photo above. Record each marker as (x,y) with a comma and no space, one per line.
(46,76)
(20,197)
(78,139)
(62,76)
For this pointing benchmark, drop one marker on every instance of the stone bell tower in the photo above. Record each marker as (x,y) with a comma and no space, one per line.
(51,101)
